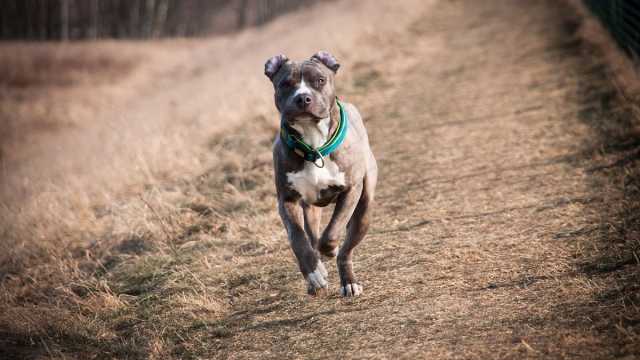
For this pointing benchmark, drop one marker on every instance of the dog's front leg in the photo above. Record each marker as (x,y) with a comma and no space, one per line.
(343,215)
(345,206)
(310,265)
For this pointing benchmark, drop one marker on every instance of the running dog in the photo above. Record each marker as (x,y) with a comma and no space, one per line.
(322,156)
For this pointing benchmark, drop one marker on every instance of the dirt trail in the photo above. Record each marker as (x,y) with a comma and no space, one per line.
(488,228)
(506,222)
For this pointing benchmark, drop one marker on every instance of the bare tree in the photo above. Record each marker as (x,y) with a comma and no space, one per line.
(160,18)
(134,21)
(64,19)
(94,28)
(42,19)
(242,13)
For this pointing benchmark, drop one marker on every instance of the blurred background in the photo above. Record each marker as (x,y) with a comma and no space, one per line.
(63,93)
(138,19)
(45,55)
(622,19)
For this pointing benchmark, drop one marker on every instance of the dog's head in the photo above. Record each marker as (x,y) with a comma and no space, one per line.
(304,91)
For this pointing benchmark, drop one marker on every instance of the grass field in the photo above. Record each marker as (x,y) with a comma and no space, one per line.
(138,208)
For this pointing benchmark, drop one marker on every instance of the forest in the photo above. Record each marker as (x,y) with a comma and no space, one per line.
(137,19)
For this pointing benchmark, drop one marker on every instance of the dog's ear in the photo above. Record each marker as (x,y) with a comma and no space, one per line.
(274,64)
(327,59)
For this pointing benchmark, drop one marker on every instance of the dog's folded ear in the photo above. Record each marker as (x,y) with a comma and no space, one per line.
(327,59)
(274,64)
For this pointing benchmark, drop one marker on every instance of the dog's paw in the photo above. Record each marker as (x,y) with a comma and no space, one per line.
(317,279)
(351,290)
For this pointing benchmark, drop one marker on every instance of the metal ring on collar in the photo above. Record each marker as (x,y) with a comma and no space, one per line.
(315,162)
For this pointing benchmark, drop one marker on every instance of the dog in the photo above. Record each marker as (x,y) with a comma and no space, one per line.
(321,156)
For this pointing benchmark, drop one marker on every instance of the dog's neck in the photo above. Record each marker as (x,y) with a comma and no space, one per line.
(316,133)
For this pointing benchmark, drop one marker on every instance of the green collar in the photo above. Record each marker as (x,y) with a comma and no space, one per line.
(308,152)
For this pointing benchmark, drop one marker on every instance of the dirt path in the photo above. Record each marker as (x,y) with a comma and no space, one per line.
(506,223)
(488,219)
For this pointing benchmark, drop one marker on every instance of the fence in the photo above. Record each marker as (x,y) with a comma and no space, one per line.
(622,18)
(92,19)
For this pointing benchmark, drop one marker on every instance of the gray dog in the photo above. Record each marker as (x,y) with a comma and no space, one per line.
(322,156)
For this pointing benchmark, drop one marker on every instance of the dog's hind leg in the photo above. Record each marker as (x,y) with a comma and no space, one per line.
(312,217)
(356,231)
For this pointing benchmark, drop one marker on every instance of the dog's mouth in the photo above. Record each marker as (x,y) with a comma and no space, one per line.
(303,117)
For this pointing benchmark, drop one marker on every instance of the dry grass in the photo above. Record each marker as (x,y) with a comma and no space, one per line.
(506,224)
(139,285)
(35,78)
(43,67)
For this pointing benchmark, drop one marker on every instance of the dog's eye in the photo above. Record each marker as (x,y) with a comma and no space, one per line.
(320,81)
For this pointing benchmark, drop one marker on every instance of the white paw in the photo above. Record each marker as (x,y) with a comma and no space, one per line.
(322,269)
(351,290)
(317,279)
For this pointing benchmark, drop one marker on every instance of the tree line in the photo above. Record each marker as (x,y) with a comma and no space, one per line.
(622,18)
(142,19)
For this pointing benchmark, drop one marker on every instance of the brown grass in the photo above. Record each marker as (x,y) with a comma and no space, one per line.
(506,224)
(38,66)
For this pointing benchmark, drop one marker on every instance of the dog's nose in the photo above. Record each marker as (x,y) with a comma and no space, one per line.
(303,100)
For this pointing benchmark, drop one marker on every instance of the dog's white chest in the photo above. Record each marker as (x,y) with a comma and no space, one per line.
(309,181)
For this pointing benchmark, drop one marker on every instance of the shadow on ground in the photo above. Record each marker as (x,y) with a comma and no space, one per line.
(607,250)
